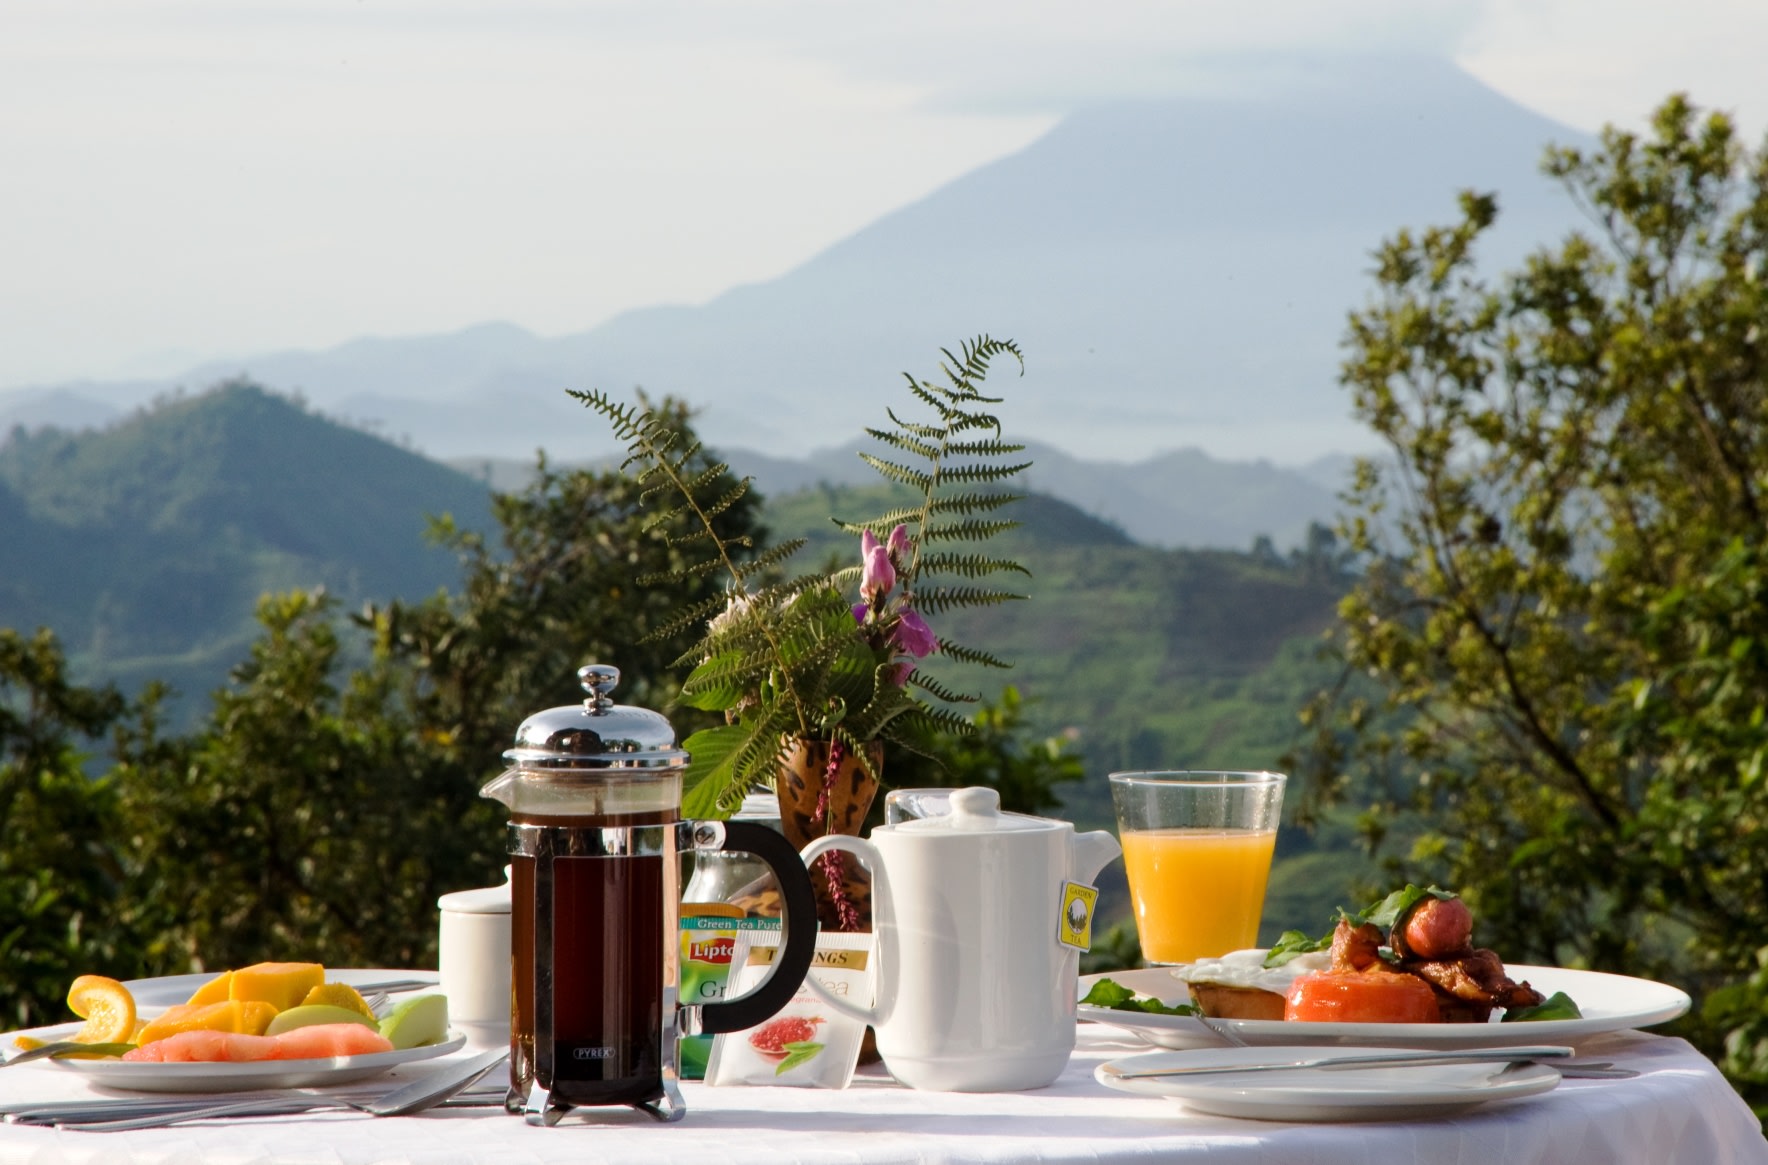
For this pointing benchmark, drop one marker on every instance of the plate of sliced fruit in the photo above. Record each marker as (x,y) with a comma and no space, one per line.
(269,1025)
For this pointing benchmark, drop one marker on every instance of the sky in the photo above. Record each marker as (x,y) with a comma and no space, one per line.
(185,180)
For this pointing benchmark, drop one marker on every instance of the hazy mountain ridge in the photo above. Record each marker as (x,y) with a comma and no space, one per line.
(145,546)
(1177,271)
(1180,499)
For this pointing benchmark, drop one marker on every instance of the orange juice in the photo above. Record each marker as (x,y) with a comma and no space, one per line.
(1198,892)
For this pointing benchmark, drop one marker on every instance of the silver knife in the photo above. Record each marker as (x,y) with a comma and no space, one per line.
(1330,1063)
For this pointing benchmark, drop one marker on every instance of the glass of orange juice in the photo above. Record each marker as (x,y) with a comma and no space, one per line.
(1197,849)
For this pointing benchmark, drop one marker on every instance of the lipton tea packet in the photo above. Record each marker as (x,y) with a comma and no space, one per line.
(709,939)
(808,1044)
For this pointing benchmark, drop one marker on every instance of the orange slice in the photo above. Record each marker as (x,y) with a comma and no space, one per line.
(106,1006)
(339,995)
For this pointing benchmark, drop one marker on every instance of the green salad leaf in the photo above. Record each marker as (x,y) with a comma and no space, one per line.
(1291,943)
(1559,1005)
(1399,904)
(1114,995)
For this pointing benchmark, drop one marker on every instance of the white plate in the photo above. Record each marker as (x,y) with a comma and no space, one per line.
(147,1077)
(1362,1094)
(152,994)
(1609,1003)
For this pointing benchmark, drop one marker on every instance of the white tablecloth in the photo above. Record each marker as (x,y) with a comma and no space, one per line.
(1679,1111)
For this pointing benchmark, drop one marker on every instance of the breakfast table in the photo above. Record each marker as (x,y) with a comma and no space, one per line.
(1677,1109)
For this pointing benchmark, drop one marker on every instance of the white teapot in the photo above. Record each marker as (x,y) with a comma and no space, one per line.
(980,917)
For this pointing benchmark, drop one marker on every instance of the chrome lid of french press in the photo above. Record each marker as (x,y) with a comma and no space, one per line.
(598,733)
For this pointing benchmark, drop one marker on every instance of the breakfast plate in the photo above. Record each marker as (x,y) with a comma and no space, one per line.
(1313,1094)
(252,1074)
(1608,1002)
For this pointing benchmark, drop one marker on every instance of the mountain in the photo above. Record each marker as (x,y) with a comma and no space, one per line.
(145,546)
(1183,498)
(1177,271)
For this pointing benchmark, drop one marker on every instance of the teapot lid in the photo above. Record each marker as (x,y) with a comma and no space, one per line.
(977,810)
(598,733)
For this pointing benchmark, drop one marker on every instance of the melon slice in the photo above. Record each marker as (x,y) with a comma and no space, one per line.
(282,985)
(331,1039)
(417,1022)
(231,1015)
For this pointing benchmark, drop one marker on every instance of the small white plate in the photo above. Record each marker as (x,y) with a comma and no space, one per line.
(1311,1094)
(252,1074)
(1608,1002)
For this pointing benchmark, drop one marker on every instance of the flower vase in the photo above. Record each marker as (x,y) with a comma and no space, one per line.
(817,798)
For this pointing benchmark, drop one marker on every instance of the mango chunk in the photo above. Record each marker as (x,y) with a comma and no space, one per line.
(282,985)
(216,990)
(247,1017)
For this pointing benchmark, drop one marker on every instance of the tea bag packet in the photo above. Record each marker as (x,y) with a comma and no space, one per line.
(709,939)
(806,1045)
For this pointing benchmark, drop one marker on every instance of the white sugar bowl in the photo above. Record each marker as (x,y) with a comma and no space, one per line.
(474,940)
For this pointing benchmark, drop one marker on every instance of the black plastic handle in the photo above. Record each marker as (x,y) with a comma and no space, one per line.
(797,950)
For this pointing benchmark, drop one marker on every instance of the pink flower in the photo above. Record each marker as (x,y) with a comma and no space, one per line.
(912,635)
(879,575)
(899,543)
(900,673)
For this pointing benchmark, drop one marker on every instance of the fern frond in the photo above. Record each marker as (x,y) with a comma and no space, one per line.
(771,557)
(902,474)
(625,420)
(969,530)
(932,718)
(993,447)
(973,503)
(972,474)
(940,599)
(906,441)
(964,654)
(886,521)
(968,565)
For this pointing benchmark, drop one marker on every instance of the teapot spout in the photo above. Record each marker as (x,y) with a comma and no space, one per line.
(1090,853)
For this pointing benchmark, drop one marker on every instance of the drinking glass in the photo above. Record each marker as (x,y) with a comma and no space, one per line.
(913,804)
(1197,849)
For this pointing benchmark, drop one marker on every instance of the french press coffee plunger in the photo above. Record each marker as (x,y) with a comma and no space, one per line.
(594,792)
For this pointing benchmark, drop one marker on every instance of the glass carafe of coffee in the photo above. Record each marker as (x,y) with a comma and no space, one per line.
(594,794)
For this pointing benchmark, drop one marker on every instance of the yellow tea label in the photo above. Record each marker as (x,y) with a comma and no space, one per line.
(1074,925)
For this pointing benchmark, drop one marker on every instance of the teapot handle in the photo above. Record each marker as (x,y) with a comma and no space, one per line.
(799,948)
(867,854)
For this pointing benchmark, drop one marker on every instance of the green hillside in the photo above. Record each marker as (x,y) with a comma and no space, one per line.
(145,546)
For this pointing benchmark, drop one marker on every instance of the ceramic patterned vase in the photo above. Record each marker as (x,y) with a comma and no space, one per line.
(804,769)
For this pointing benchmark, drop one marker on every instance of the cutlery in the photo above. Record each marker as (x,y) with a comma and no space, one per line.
(1329,1063)
(61,1047)
(431,1091)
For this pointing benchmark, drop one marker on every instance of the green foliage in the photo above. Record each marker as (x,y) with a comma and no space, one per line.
(212,500)
(63,850)
(1026,774)
(790,657)
(1564,615)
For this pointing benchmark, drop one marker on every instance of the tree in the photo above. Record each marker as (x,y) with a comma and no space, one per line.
(563,589)
(62,845)
(1565,612)
(301,823)
(322,810)
(992,753)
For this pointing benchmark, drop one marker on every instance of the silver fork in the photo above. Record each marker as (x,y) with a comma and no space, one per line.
(428,1092)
